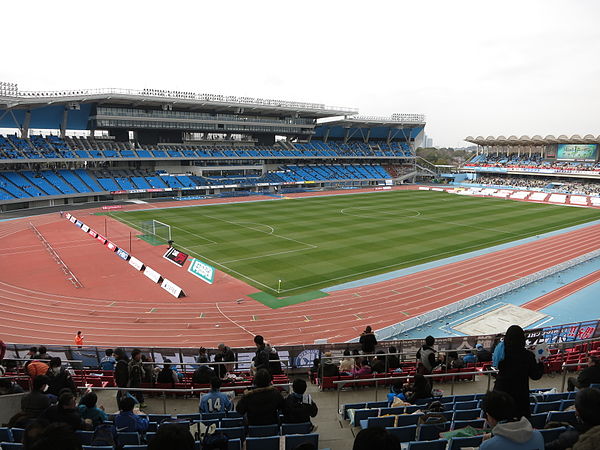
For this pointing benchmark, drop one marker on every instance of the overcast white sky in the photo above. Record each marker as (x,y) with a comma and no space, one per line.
(473,67)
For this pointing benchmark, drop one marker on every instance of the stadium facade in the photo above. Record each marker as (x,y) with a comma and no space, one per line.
(120,144)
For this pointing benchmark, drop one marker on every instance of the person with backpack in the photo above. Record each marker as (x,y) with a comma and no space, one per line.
(203,374)
(136,375)
(368,341)
(299,406)
(59,378)
(426,358)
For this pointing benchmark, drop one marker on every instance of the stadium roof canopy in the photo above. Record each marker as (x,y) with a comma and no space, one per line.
(12,98)
(534,140)
(394,121)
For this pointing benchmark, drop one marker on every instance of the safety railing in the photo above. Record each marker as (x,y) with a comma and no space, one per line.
(341,383)
(184,391)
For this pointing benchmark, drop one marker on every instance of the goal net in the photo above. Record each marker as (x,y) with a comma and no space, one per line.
(155,232)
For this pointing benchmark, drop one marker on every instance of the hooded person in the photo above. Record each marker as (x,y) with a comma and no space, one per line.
(508,432)
(59,378)
(368,341)
(515,370)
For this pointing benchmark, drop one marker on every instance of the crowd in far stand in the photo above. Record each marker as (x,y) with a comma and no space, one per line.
(560,185)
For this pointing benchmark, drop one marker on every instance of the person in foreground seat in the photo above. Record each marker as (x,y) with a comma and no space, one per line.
(215,401)
(589,375)
(508,432)
(261,404)
(587,407)
(375,438)
(128,420)
(299,406)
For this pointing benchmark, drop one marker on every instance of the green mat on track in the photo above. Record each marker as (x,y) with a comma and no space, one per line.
(276,302)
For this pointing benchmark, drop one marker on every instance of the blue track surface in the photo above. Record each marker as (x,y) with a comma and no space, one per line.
(580,306)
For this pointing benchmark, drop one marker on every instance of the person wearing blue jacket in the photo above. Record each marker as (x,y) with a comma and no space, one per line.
(127,420)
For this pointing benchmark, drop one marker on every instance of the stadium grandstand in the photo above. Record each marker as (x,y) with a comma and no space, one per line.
(119,144)
(563,164)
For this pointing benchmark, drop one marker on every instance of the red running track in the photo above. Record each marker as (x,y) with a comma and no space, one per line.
(119,306)
(562,292)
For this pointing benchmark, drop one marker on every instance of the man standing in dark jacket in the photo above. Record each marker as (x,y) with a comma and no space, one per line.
(121,373)
(587,405)
(299,406)
(589,375)
(368,341)
(261,358)
(514,371)
(262,404)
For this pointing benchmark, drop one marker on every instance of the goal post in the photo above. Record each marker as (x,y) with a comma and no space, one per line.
(156,232)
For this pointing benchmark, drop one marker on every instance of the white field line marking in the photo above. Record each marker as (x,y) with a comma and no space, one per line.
(269,254)
(259,231)
(389,213)
(233,321)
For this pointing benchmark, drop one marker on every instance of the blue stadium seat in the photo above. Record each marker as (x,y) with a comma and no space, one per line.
(229,422)
(234,444)
(546,407)
(538,420)
(429,432)
(18,434)
(551,434)
(476,423)
(563,416)
(262,443)
(12,446)
(294,440)
(387,421)
(233,432)
(404,434)
(6,435)
(85,437)
(409,419)
(263,430)
(128,438)
(462,442)
(438,444)
(296,428)
(467,414)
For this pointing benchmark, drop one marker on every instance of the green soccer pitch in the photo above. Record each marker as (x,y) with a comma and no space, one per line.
(314,242)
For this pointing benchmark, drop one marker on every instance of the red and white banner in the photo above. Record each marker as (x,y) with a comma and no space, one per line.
(92,233)
(113,206)
(85,228)
(111,246)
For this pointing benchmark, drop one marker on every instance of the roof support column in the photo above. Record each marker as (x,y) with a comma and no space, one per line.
(346,135)
(368,136)
(326,136)
(25,125)
(63,124)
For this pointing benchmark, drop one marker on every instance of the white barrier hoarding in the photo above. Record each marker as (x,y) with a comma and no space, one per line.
(152,274)
(85,228)
(171,288)
(136,263)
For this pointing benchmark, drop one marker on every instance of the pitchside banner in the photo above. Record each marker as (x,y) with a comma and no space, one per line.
(202,270)
(176,257)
